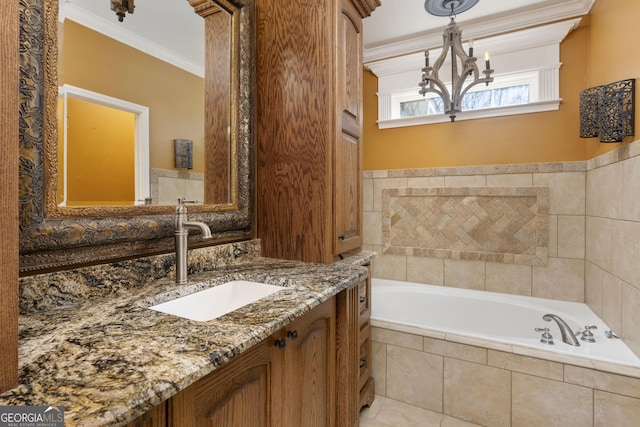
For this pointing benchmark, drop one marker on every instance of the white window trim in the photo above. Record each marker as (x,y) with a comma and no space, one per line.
(541,46)
(530,78)
(141,137)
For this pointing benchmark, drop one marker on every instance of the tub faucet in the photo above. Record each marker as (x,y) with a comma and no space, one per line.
(568,337)
(182,226)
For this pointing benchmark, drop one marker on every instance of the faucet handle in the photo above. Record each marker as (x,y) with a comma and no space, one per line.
(546,336)
(182,201)
(587,335)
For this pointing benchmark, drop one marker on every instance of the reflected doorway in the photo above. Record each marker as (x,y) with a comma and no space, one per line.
(103,150)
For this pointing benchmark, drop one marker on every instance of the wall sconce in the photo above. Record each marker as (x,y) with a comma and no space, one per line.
(183,153)
(121,7)
(608,111)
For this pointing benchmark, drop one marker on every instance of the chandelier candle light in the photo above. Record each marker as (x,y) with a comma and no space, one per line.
(463,65)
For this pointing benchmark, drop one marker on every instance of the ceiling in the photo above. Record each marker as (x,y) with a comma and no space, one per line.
(394,28)
(398,20)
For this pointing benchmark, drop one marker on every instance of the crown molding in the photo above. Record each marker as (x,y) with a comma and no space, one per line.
(482,28)
(519,40)
(116,32)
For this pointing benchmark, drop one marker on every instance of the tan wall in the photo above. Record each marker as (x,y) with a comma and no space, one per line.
(614,31)
(175,97)
(591,55)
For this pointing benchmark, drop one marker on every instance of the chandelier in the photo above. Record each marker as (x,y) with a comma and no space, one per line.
(463,65)
(121,7)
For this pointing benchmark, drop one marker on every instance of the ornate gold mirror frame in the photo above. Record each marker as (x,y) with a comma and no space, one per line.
(53,238)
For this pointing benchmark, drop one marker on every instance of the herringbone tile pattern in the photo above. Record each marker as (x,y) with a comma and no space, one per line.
(491,224)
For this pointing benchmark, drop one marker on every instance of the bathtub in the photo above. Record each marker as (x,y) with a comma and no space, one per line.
(499,321)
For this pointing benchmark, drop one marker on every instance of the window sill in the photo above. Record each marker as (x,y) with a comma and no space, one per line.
(532,107)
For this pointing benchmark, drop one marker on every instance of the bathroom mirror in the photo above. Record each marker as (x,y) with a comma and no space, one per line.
(54,236)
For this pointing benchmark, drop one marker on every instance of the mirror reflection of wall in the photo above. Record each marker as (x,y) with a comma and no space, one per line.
(175,97)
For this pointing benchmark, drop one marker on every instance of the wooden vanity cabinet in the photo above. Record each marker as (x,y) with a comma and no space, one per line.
(366,384)
(155,417)
(286,380)
(309,127)
(304,374)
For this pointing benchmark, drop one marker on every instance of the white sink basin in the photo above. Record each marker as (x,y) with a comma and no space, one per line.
(217,301)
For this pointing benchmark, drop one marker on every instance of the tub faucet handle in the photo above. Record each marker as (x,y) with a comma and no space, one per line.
(546,336)
(587,335)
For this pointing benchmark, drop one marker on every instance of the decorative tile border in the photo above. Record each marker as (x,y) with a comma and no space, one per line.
(496,224)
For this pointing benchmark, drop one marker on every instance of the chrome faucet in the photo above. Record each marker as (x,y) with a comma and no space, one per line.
(182,232)
(568,336)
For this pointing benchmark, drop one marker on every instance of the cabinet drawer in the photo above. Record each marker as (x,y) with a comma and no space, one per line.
(364,301)
(364,358)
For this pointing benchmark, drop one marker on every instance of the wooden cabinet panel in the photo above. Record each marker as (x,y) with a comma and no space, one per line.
(239,395)
(347,205)
(304,370)
(309,127)
(347,343)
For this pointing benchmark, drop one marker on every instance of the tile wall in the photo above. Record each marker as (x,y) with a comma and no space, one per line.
(167,185)
(555,268)
(498,388)
(612,268)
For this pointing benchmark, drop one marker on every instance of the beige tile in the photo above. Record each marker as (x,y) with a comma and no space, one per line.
(194,189)
(379,366)
(571,236)
(399,339)
(553,236)
(423,182)
(367,194)
(465,181)
(526,365)
(464,274)
(612,301)
(373,410)
(510,180)
(630,189)
(542,402)
(566,191)
(414,377)
(615,410)
(631,317)
(604,191)
(593,288)
(477,393)
(372,228)
(456,422)
(598,242)
(561,279)
(508,278)
(381,184)
(425,270)
(395,413)
(392,267)
(457,351)
(368,422)
(604,381)
(625,256)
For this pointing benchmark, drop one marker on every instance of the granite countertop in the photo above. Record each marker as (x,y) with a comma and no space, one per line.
(107,359)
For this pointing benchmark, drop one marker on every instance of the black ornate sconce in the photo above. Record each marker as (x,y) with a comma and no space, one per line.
(608,111)
(183,153)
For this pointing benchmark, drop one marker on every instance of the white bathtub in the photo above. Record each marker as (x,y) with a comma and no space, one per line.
(503,321)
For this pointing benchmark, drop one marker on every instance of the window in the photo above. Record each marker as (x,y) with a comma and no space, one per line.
(527,79)
(506,90)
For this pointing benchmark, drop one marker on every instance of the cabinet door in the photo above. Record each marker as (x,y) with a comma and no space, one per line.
(237,395)
(347,203)
(305,370)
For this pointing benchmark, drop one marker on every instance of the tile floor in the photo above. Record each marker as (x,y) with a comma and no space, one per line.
(387,412)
